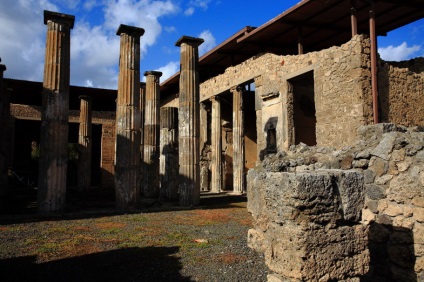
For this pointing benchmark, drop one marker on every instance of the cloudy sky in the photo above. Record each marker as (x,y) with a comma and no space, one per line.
(95,46)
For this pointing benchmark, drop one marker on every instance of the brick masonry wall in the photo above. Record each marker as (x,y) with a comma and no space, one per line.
(108,156)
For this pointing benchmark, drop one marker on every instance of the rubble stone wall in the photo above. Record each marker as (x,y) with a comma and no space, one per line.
(358,212)
(401,91)
(342,87)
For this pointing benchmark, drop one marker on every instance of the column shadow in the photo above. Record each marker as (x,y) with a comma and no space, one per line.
(130,264)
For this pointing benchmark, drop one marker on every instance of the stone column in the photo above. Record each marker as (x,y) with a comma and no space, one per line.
(188,122)
(85,143)
(151,136)
(4,128)
(142,103)
(127,146)
(204,149)
(54,117)
(169,153)
(238,141)
(216,140)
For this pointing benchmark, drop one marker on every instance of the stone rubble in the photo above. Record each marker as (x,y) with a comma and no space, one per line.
(357,212)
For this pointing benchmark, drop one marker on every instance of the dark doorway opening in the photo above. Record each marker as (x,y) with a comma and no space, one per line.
(304,118)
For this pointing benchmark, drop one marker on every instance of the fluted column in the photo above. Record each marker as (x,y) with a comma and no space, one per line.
(54,118)
(188,122)
(85,143)
(169,153)
(216,140)
(127,146)
(238,141)
(142,102)
(4,119)
(151,136)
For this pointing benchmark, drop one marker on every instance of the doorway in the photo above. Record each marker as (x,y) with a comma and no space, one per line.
(304,118)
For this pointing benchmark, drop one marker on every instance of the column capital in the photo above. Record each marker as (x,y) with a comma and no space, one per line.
(130,30)
(237,88)
(59,17)
(84,97)
(2,68)
(189,40)
(215,98)
(154,73)
(142,84)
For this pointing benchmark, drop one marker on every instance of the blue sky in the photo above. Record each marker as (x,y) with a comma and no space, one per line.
(95,47)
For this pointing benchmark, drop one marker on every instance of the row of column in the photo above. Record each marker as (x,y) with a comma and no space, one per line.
(130,100)
(238,143)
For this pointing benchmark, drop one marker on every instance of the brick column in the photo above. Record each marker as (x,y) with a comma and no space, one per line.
(4,128)
(238,141)
(85,141)
(127,146)
(151,136)
(54,117)
(216,140)
(188,122)
(169,153)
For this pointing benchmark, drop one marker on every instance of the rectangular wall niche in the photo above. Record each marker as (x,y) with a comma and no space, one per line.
(304,120)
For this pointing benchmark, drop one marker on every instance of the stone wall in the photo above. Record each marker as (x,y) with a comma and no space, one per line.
(342,89)
(358,212)
(401,91)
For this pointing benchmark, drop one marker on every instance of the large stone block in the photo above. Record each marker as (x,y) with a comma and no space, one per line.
(303,223)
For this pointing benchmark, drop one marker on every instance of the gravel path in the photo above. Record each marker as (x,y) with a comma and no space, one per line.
(162,243)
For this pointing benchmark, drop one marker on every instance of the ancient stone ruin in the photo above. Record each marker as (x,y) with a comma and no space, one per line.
(327,214)
(300,113)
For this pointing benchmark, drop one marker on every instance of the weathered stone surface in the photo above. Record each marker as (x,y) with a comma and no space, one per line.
(188,122)
(375,192)
(85,144)
(150,186)
(290,205)
(54,120)
(127,154)
(301,209)
(169,153)
(238,141)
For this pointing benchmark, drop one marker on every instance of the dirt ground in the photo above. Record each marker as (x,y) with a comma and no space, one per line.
(160,242)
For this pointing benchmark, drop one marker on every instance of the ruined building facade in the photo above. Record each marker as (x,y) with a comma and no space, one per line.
(286,114)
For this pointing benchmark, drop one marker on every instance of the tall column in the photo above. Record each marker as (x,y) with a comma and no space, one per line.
(169,153)
(4,128)
(54,117)
(85,143)
(238,141)
(127,146)
(188,122)
(151,136)
(374,69)
(216,140)
(142,103)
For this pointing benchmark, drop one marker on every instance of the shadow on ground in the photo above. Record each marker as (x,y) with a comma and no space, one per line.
(21,205)
(130,264)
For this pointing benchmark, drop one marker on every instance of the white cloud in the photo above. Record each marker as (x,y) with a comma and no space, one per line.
(200,3)
(94,48)
(94,56)
(143,14)
(398,53)
(170,69)
(209,43)
(170,29)
(22,33)
(189,11)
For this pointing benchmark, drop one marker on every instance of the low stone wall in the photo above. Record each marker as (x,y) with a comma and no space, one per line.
(358,212)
